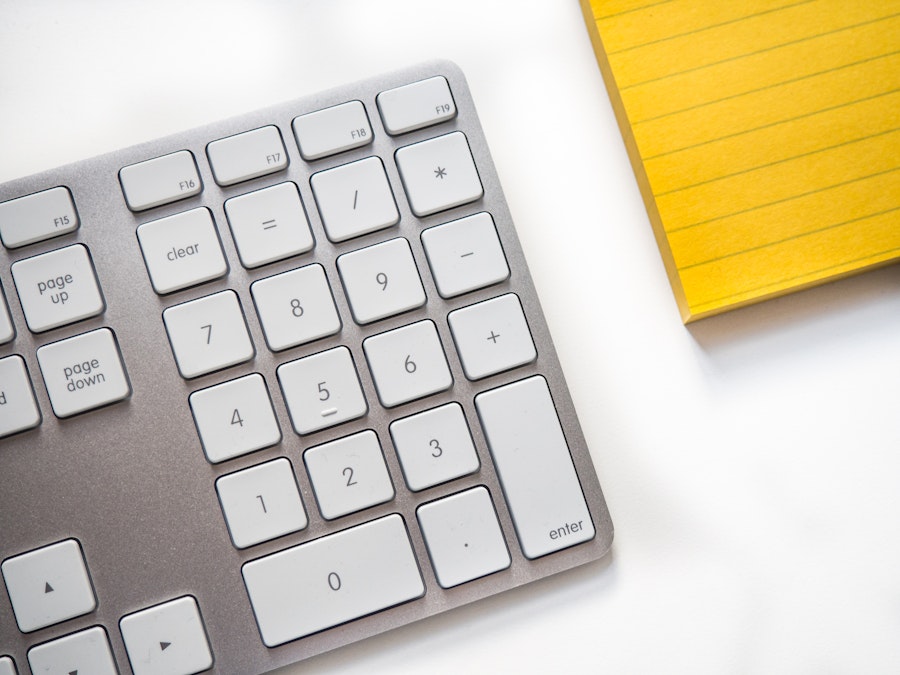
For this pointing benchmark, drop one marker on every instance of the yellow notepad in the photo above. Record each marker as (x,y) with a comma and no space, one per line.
(765,136)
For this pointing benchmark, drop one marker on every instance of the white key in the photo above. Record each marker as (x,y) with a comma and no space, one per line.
(83,372)
(465,254)
(7,667)
(415,106)
(269,225)
(322,390)
(234,418)
(7,329)
(18,409)
(167,639)
(58,288)
(182,250)
(407,363)
(347,575)
(86,652)
(381,280)
(348,474)
(295,307)
(332,130)
(439,174)
(434,447)
(534,466)
(208,334)
(36,217)
(160,181)
(261,503)
(492,336)
(355,199)
(48,585)
(248,155)
(463,537)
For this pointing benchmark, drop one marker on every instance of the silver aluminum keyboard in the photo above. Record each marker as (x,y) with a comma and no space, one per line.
(274,385)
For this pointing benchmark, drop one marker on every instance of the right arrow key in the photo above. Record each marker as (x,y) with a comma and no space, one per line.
(168,639)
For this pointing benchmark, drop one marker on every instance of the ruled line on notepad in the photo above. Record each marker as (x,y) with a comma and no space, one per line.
(709,27)
(774,85)
(812,276)
(635,9)
(757,207)
(779,161)
(801,235)
(759,51)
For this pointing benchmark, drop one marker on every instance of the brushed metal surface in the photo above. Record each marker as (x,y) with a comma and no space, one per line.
(131,482)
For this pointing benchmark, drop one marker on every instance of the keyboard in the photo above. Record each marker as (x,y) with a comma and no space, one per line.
(275,385)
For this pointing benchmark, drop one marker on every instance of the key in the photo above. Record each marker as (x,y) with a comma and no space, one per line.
(439,174)
(7,329)
(87,651)
(332,130)
(407,363)
(269,225)
(159,181)
(465,255)
(248,155)
(434,447)
(43,215)
(348,474)
(492,336)
(208,334)
(295,307)
(381,280)
(347,575)
(18,409)
(167,639)
(58,288)
(7,667)
(261,503)
(534,466)
(182,250)
(83,372)
(463,537)
(48,585)
(355,199)
(322,390)
(415,106)
(234,418)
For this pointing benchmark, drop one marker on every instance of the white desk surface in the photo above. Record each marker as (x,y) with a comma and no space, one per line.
(751,462)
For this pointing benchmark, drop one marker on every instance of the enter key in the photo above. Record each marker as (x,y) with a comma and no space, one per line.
(534,466)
